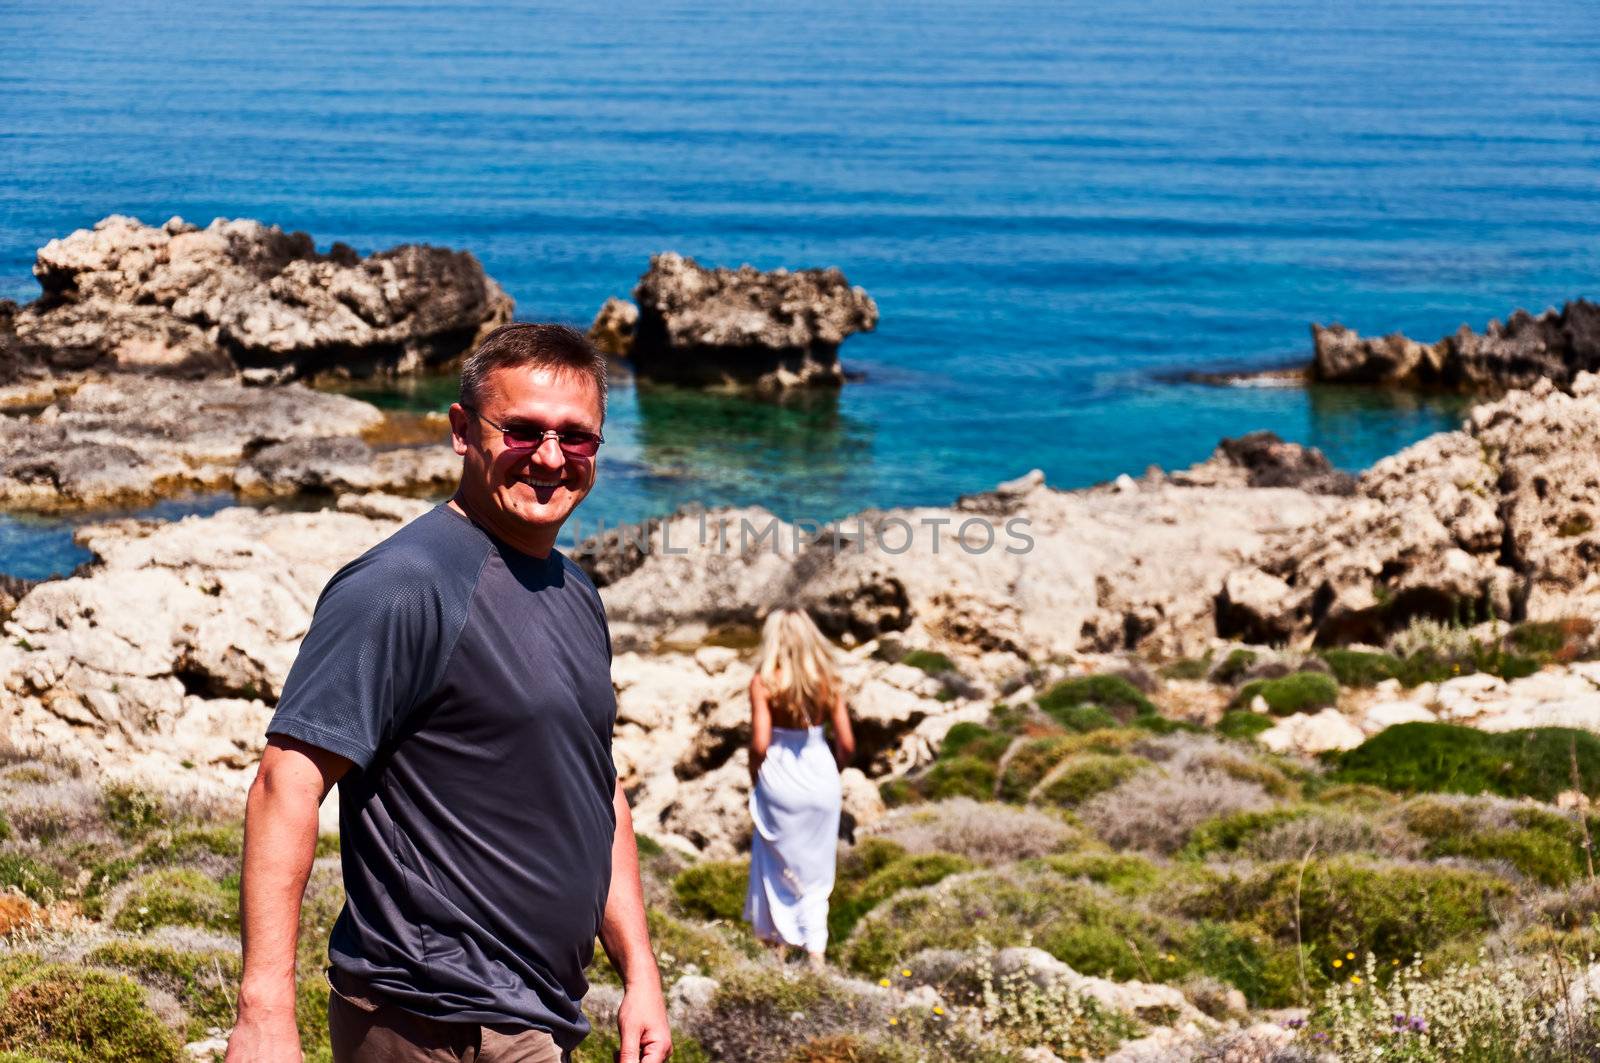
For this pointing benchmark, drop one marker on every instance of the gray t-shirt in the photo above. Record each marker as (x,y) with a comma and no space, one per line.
(471,686)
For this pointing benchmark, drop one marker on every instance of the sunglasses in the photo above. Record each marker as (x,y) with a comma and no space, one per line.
(574,442)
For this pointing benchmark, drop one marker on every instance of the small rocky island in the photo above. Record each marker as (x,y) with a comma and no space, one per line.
(1554,346)
(740,328)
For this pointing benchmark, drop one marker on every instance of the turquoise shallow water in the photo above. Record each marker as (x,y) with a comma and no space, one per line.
(1055,205)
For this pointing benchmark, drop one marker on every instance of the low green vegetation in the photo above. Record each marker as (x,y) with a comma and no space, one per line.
(1116,695)
(71,1014)
(1446,758)
(1287,695)
(929,661)
(1085,775)
(713,890)
(1087,826)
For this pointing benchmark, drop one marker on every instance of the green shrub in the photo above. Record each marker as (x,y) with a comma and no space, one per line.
(1111,692)
(1446,758)
(898,792)
(1552,640)
(1234,666)
(132,811)
(875,880)
(1085,718)
(1265,970)
(713,890)
(1088,774)
(184,845)
(929,661)
(1125,873)
(179,897)
(751,1015)
(1393,909)
(1426,666)
(1545,857)
(1090,928)
(1029,763)
(1299,692)
(1162,726)
(1243,724)
(38,881)
(1225,834)
(1188,668)
(975,740)
(5,826)
(1358,668)
(203,981)
(71,1015)
(958,777)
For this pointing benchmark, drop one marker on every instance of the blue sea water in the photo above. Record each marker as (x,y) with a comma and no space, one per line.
(1056,205)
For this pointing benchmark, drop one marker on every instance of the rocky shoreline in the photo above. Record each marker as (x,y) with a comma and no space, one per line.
(1105,735)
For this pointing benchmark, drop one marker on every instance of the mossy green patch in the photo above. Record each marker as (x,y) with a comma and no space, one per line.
(203,981)
(961,776)
(1081,777)
(36,880)
(876,871)
(1089,927)
(974,740)
(1360,668)
(1287,695)
(73,1015)
(1225,834)
(179,897)
(1125,873)
(1111,692)
(1085,718)
(1446,758)
(713,890)
(1391,909)
(133,811)
(1266,970)
(1243,724)
(1029,763)
(929,661)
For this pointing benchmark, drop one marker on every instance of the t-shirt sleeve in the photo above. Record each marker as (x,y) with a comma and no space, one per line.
(378,642)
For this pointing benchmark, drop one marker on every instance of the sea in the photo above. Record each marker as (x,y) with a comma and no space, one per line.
(1061,208)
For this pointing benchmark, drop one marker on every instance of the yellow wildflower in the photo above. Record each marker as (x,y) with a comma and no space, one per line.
(937,1010)
(905,972)
(1338,963)
(1349,955)
(884,982)
(1355,979)
(894,1021)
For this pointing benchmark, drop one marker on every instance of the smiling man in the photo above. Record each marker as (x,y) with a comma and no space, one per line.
(456,683)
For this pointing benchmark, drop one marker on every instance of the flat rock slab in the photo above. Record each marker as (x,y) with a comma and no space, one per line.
(128,440)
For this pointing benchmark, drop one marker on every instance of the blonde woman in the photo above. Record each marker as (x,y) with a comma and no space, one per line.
(795,794)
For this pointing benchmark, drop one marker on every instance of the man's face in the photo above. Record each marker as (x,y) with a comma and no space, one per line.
(526,492)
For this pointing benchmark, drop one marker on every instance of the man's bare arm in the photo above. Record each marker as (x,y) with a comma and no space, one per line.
(642,1019)
(280,842)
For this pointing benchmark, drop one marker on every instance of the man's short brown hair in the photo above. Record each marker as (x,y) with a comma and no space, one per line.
(539,346)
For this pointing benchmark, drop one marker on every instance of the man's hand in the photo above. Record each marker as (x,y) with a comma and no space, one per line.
(642,1018)
(280,840)
(642,1025)
(265,1036)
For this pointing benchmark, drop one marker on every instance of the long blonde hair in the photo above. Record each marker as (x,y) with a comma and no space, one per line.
(796,664)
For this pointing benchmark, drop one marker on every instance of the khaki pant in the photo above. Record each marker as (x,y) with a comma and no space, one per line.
(364,1029)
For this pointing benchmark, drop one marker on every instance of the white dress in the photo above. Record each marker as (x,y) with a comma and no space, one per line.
(795,806)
